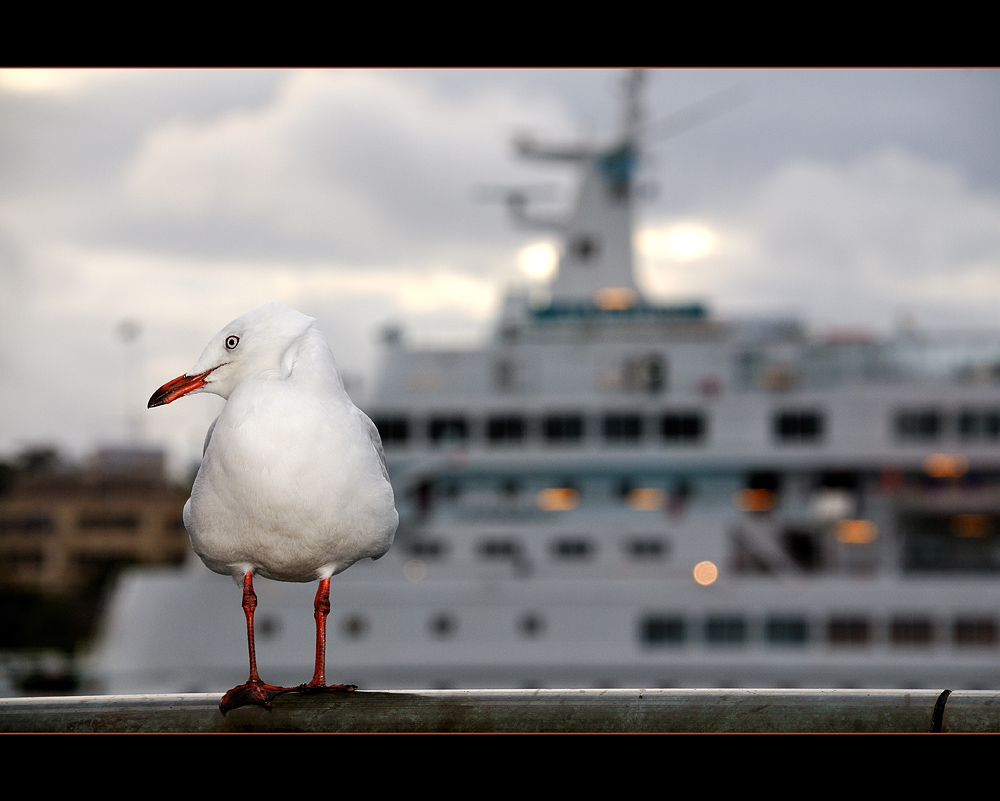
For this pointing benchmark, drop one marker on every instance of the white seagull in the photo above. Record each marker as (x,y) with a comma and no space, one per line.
(293,484)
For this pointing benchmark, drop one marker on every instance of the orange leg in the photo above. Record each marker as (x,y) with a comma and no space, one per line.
(254,691)
(322,610)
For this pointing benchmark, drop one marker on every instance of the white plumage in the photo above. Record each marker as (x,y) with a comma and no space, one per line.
(293,484)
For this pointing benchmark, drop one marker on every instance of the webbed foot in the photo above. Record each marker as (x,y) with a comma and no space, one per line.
(254,693)
(326,688)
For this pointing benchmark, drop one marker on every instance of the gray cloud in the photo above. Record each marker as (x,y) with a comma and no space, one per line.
(182,198)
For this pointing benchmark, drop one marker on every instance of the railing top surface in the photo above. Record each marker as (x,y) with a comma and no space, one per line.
(613,711)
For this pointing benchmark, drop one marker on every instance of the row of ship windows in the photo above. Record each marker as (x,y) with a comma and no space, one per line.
(736,631)
(569,548)
(511,429)
(805,426)
(928,425)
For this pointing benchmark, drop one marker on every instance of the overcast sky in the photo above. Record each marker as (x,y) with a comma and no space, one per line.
(177,200)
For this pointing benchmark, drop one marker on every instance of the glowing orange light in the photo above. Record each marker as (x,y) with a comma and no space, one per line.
(755,500)
(558,499)
(856,532)
(614,298)
(645,498)
(705,573)
(972,525)
(778,377)
(946,465)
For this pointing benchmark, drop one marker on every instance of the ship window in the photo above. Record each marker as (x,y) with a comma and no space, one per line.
(622,427)
(682,427)
(920,425)
(932,541)
(798,426)
(558,499)
(443,625)
(510,488)
(658,630)
(911,631)
(975,631)
(531,624)
(646,499)
(787,630)
(804,546)
(423,496)
(393,430)
(573,548)
(761,492)
(764,479)
(839,480)
(644,374)
(585,247)
(268,627)
(505,428)
(725,630)
(427,549)
(499,549)
(848,631)
(564,428)
(443,430)
(505,373)
(979,425)
(353,626)
(646,548)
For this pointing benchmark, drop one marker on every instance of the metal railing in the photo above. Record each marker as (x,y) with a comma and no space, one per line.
(521,711)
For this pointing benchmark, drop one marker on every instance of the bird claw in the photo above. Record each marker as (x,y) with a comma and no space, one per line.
(327,688)
(260,694)
(251,694)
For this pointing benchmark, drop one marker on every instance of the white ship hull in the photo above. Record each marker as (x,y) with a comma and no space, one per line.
(589,633)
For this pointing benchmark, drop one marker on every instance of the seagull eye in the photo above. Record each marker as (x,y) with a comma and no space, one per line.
(232,342)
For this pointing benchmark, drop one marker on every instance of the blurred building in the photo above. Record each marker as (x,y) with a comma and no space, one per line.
(63,528)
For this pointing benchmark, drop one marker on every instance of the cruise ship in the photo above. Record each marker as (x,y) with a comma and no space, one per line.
(620,493)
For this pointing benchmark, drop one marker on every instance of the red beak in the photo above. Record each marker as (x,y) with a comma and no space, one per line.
(177,388)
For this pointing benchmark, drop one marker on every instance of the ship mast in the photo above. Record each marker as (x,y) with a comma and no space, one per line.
(596,265)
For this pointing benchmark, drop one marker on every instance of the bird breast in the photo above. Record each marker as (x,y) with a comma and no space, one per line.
(290,486)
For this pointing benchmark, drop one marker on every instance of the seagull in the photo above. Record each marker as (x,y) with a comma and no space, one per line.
(293,483)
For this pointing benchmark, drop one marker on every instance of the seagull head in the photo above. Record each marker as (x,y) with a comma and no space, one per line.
(261,339)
